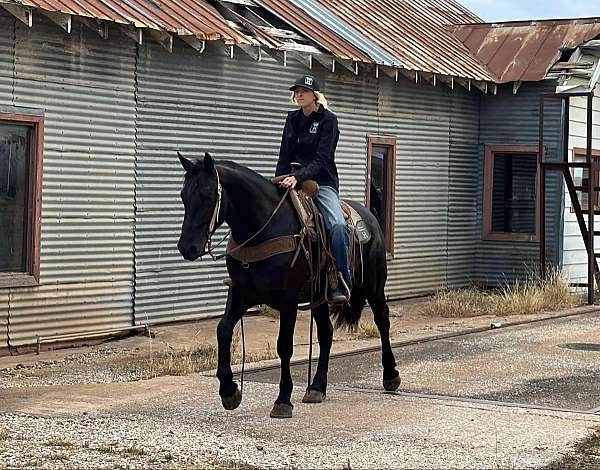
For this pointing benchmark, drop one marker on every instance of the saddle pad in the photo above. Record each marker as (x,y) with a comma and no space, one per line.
(356,222)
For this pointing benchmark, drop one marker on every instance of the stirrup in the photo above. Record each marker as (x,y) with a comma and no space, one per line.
(345,287)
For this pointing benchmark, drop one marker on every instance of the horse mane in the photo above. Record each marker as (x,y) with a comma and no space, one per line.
(251,176)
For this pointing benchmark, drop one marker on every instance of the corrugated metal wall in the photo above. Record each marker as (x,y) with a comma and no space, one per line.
(235,109)
(574,252)
(115,121)
(86,88)
(509,119)
(463,228)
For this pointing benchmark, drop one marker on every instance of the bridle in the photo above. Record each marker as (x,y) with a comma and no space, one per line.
(212,226)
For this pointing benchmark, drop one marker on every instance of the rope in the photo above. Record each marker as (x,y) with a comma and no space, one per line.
(243,354)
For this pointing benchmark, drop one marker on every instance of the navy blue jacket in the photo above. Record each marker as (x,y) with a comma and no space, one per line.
(313,146)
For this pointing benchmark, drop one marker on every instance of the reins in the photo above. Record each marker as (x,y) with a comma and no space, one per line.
(215,217)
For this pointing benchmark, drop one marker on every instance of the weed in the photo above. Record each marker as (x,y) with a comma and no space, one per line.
(586,454)
(57,441)
(527,297)
(105,449)
(266,311)
(366,330)
(133,451)
(184,362)
(58,456)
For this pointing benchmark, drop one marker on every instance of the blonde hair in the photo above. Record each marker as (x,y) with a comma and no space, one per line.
(320,99)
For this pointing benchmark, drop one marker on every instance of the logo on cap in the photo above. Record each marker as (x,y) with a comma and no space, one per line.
(308,81)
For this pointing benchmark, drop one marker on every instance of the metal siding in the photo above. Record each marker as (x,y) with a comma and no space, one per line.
(85,86)
(233,108)
(508,119)
(463,229)
(574,253)
(419,118)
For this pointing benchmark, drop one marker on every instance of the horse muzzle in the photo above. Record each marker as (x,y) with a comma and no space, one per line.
(191,252)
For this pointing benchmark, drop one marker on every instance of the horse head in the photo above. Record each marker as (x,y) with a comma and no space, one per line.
(200,196)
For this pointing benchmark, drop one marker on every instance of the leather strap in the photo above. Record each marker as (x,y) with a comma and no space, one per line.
(273,247)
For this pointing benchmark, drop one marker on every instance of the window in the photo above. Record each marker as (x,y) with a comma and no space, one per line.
(21,143)
(580,177)
(511,193)
(381,180)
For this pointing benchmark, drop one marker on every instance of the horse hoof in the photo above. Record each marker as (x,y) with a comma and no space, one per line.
(281,411)
(392,384)
(232,402)
(313,396)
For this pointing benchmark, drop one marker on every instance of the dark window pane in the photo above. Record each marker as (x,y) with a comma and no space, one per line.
(514,193)
(379,191)
(14,156)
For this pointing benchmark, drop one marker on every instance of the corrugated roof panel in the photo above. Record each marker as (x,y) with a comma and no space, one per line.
(193,17)
(313,29)
(524,50)
(415,32)
(349,33)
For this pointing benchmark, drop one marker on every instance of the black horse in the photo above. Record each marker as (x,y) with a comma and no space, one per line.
(246,200)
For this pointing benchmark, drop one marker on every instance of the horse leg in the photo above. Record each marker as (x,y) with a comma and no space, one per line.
(231,396)
(318,388)
(285,346)
(381,315)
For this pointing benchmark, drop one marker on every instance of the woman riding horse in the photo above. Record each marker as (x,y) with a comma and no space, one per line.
(310,137)
(258,213)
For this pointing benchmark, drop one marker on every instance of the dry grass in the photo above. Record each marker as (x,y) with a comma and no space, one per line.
(202,358)
(265,354)
(134,451)
(58,456)
(585,455)
(105,449)
(182,362)
(266,311)
(366,330)
(512,299)
(4,434)
(57,441)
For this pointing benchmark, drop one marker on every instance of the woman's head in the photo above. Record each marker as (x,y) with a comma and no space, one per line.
(306,91)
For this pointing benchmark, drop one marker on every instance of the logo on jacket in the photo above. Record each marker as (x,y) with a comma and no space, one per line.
(314,127)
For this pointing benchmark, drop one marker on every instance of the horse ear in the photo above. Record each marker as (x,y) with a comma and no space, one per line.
(209,163)
(185,163)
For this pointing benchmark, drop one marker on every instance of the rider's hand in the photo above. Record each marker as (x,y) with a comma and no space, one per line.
(289,182)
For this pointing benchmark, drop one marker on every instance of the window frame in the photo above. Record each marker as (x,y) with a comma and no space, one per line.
(390,142)
(488,188)
(32,241)
(582,152)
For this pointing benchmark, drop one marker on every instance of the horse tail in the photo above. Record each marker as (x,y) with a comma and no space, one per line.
(349,315)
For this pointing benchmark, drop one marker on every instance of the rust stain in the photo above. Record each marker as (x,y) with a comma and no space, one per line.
(524,50)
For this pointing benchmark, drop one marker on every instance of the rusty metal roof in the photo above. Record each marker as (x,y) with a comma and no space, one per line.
(313,29)
(183,17)
(525,50)
(415,32)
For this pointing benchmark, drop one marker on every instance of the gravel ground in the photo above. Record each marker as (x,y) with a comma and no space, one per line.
(179,423)
(107,364)
(91,409)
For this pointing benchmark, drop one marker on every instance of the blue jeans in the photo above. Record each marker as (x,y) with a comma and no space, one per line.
(328,202)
